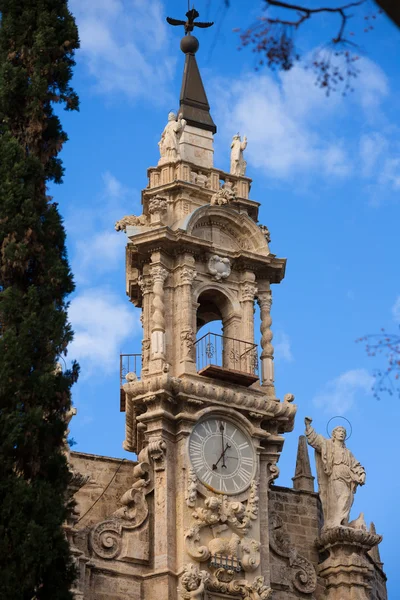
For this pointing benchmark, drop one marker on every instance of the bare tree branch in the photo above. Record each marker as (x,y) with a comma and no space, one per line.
(387,345)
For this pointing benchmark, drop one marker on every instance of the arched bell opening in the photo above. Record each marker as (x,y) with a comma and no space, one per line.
(220,351)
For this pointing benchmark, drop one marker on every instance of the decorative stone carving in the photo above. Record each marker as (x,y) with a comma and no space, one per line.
(187,275)
(199,179)
(346,568)
(304,576)
(169,142)
(249,290)
(267,353)
(157,204)
(191,492)
(156,450)
(131,376)
(339,474)
(220,268)
(159,274)
(188,338)
(273,472)
(193,582)
(265,231)
(225,195)
(131,220)
(219,514)
(106,537)
(239,587)
(238,164)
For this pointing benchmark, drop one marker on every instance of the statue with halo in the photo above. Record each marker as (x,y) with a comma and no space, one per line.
(339,474)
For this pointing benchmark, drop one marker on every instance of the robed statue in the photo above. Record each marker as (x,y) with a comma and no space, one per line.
(169,142)
(238,164)
(339,474)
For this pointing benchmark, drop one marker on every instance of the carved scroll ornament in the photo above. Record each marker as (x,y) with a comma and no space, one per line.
(106,537)
(304,577)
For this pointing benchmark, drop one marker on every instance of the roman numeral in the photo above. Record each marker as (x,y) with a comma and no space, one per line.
(207,477)
(195,447)
(207,428)
(243,446)
(247,460)
(243,474)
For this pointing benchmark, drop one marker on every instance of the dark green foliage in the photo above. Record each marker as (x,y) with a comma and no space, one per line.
(37,43)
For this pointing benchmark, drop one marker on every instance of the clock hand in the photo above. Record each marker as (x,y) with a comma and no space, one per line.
(222,456)
(221,428)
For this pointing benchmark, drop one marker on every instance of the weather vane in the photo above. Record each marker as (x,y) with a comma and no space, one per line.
(189,25)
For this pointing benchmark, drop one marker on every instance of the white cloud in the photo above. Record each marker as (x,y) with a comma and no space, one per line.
(339,394)
(282,123)
(102,322)
(396,310)
(98,248)
(125,46)
(283,348)
(372,145)
(97,254)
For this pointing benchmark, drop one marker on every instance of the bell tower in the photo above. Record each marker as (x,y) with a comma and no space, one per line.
(193,515)
(201,413)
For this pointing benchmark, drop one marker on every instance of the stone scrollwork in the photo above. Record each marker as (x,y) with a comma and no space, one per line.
(273,472)
(304,577)
(156,450)
(236,549)
(106,537)
(188,338)
(219,267)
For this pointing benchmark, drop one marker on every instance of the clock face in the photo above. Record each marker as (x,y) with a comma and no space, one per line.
(222,455)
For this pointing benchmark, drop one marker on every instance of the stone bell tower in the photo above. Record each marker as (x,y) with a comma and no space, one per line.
(195,515)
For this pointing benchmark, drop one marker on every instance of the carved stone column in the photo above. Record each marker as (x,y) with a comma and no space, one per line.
(267,353)
(159,275)
(347,571)
(187,358)
(146,286)
(248,291)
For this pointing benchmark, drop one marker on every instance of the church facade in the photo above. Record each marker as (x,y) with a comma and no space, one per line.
(198,514)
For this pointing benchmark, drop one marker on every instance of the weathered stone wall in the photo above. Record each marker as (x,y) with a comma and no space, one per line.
(295,519)
(101,470)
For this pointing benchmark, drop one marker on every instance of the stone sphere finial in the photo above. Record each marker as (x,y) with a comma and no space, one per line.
(189,44)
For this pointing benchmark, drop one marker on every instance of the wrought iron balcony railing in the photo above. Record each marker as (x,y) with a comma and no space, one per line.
(128,363)
(227,358)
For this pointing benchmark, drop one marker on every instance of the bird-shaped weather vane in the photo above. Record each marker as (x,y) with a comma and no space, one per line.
(190,24)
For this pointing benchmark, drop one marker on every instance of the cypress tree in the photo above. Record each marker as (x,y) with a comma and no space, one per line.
(37,43)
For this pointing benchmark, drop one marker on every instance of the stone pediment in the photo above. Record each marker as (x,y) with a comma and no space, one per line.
(224,227)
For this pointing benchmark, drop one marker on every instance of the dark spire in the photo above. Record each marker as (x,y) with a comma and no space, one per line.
(303,479)
(194,107)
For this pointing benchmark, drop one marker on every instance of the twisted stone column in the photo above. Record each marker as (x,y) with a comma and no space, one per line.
(267,353)
(188,336)
(159,275)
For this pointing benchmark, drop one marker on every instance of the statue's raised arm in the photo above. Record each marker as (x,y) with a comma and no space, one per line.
(339,474)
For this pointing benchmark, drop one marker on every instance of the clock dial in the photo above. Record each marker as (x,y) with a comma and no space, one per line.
(222,455)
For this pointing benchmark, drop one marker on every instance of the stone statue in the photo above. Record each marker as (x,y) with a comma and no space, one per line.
(193,583)
(339,474)
(238,164)
(169,142)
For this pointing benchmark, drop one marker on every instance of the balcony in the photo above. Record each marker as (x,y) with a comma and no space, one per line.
(128,363)
(228,359)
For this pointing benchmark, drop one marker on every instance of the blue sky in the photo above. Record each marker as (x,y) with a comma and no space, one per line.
(327,172)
